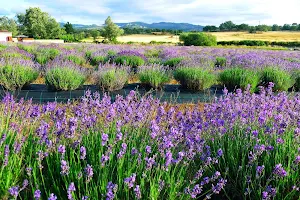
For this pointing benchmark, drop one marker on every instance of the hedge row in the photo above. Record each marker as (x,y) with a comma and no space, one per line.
(259,43)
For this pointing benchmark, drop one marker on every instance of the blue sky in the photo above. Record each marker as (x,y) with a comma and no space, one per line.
(202,12)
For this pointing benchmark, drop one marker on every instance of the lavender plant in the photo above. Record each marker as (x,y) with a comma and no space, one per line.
(15,73)
(235,78)
(64,76)
(154,76)
(194,78)
(111,77)
(282,79)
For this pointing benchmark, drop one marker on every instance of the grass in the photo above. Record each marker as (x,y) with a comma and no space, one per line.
(285,36)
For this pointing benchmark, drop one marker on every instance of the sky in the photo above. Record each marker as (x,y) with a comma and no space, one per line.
(201,12)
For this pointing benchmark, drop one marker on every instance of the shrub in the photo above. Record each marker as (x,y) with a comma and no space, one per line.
(16,73)
(198,39)
(296,78)
(97,60)
(173,62)
(221,61)
(282,79)
(152,53)
(194,78)
(111,78)
(133,61)
(76,59)
(64,78)
(154,60)
(44,55)
(239,78)
(154,76)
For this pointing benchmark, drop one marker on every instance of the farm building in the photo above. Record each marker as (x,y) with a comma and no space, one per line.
(5,36)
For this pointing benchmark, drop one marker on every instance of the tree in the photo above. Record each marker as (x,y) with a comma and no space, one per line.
(9,25)
(111,31)
(242,27)
(198,39)
(227,26)
(94,34)
(38,24)
(69,28)
(263,27)
(286,27)
(210,29)
(275,27)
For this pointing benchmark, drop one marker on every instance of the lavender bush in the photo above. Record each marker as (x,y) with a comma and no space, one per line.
(154,76)
(194,78)
(111,77)
(234,78)
(282,79)
(15,73)
(64,75)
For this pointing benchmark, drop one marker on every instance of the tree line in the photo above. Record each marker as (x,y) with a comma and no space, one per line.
(230,26)
(37,24)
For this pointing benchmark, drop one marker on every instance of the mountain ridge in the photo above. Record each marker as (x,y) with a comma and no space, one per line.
(158,25)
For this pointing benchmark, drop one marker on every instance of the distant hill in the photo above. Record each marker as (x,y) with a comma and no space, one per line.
(160,25)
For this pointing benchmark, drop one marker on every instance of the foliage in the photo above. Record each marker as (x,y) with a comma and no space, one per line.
(282,79)
(198,39)
(111,31)
(111,78)
(238,78)
(155,76)
(9,25)
(227,26)
(173,62)
(64,78)
(194,78)
(94,34)
(296,77)
(38,24)
(69,28)
(96,60)
(260,43)
(16,73)
(221,61)
(46,54)
(133,61)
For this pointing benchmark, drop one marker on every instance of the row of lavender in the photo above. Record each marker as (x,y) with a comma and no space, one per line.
(68,67)
(243,146)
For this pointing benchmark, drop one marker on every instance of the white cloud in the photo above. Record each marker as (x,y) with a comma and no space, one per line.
(191,11)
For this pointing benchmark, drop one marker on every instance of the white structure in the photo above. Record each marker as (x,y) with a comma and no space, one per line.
(5,35)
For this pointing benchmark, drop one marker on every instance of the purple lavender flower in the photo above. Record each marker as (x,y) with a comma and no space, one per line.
(148,149)
(104,138)
(259,170)
(52,197)
(137,192)
(220,153)
(64,167)
(111,189)
(279,171)
(220,185)
(61,149)
(130,180)
(14,191)
(89,172)
(82,153)
(37,194)
(104,159)
(71,189)
(6,154)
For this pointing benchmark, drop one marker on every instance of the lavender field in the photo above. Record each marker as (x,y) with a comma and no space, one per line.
(243,145)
